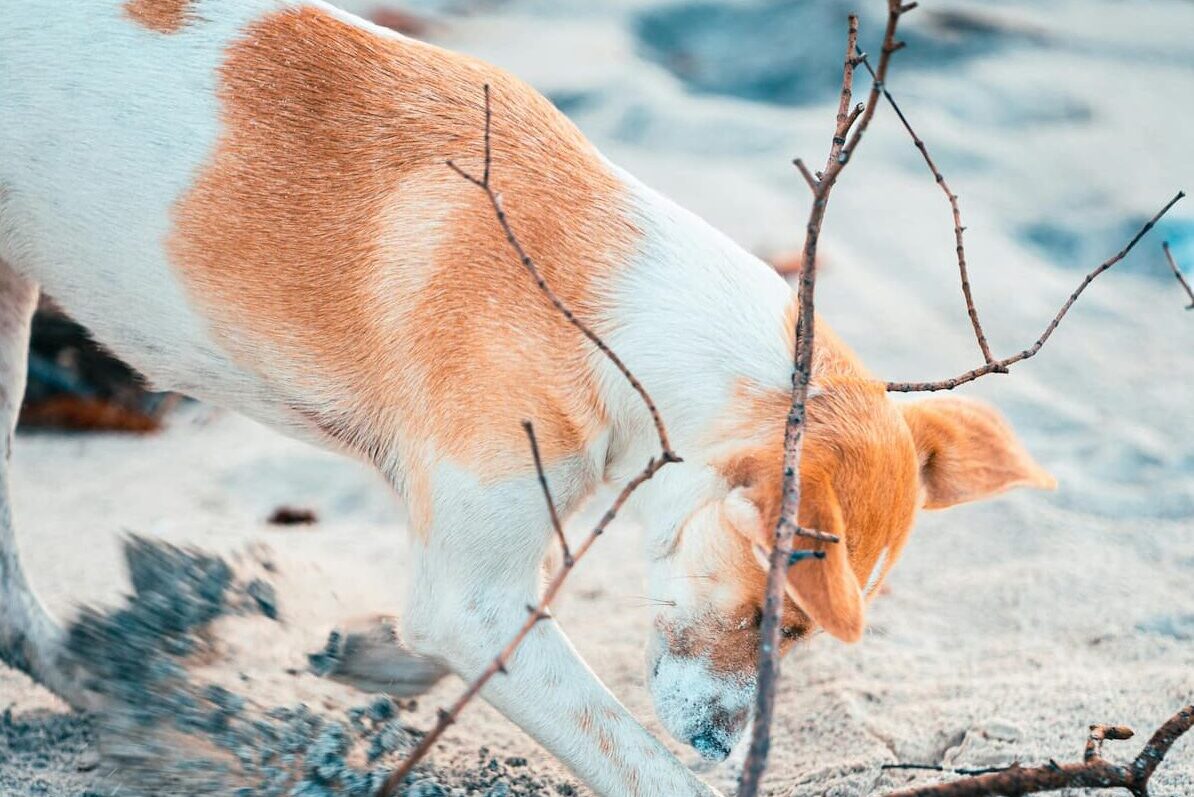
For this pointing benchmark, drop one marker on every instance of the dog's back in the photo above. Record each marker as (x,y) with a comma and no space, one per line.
(248,200)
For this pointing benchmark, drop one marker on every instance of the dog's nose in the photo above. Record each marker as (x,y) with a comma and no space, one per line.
(711,745)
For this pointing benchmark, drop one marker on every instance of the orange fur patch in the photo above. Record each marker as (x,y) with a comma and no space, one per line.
(730,642)
(336,254)
(163,16)
(856,444)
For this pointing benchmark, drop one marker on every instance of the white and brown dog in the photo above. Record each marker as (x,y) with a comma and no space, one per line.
(248,201)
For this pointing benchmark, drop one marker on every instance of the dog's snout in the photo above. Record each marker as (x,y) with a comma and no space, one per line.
(711,744)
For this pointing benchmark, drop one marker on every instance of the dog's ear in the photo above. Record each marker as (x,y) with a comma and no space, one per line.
(967,452)
(825,589)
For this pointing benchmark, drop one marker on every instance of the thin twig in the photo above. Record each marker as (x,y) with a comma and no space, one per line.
(551,504)
(959,242)
(539,612)
(847,135)
(1094,772)
(812,534)
(939,768)
(1177,272)
(495,200)
(808,176)
(1002,366)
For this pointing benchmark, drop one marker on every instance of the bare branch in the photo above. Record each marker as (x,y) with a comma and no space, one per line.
(495,199)
(847,135)
(1002,366)
(808,176)
(1094,772)
(959,243)
(1100,733)
(539,612)
(939,768)
(1177,272)
(844,119)
(810,534)
(551,504)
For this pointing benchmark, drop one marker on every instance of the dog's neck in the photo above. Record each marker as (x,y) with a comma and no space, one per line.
(699,320)
(698,314)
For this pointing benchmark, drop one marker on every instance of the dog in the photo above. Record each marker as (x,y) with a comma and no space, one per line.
(248,201)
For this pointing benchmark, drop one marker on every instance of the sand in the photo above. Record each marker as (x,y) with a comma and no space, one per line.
(1008,627)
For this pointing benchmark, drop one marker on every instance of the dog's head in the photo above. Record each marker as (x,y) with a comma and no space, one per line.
(868,465)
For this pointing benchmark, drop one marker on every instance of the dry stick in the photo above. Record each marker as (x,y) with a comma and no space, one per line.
(1002,366)
(538,613)
(959,243)
(1093,772)
(939,768)
(495,200)
(844,144)
(1177,272)
(551,504)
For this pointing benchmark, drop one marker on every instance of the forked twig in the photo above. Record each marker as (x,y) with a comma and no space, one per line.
(959,230)
(847,135)
(539,612)
(990,364)
(1177,272)
(551,504)
(1002,366)
(1093,772)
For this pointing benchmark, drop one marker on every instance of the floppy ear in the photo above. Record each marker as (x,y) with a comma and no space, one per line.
(967,452)
(825,589)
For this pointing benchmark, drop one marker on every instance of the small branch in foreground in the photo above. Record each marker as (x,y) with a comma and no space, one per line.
(939,768)
(495,200)
(1177,272)
(529,428)
(959,242)
(539,612)
(811,534)
(1094,772)
(808,176)
(1002,366)
(850,127)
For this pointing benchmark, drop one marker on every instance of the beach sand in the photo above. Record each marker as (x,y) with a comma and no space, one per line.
(1007,628)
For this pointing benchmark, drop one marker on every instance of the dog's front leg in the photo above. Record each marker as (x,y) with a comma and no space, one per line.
(472,588)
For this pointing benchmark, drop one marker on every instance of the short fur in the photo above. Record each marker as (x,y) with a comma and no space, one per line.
(247,200)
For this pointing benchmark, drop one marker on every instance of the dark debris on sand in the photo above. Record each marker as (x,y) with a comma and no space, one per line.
(163,733)
(43,753)
(74,384)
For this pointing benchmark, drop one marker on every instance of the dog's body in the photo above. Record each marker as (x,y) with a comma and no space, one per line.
(248,200)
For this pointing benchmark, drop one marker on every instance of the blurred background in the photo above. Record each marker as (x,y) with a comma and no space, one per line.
(1009,627)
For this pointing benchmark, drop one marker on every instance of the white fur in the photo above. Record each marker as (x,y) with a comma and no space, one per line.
(105,125)
(872,582)
(693,314)
(687,693)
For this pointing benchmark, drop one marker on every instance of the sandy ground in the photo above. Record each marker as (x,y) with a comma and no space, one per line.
(1008,627)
